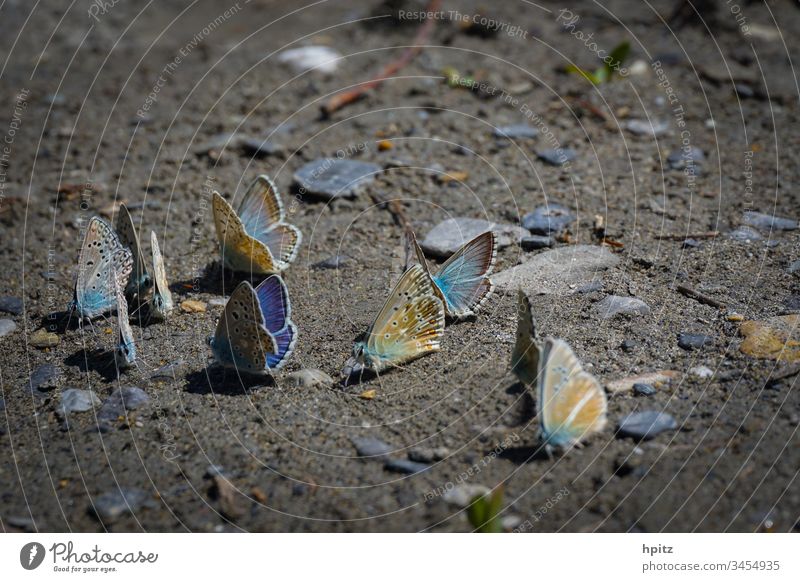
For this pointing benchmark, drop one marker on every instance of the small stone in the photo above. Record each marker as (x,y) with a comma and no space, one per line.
(640,389)
(462,495)
(319,58)
(75,400)
(45,378)
(776,338)
(309,378)
(735,317)
(792,303)
(557,157)
(655,379)
(169,371)
(122,401)
(591,287)
(42,338)
(691,243)
(681,158)
(535,242)
(516,131)
(701,372)
(426,455)
(21,522)
(744,91)
(259,148)
(613,305)
(371,447)
(193,306)
(110,506)
(645,127)
(331,178)
(768,221)
(385,145)
(646,425)
(450,235)
(693,341)
(794,268)
(548,220)
(218,301)
(452,176)
(405,466)
(7,326)
(334,262)
(12,305)
(745,234)
(368,394)
(628,345)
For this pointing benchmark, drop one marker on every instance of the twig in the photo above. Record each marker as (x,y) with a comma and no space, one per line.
(351,95)
(695,294)
(708,234)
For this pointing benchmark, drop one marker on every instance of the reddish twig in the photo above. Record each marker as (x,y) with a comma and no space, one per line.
(352,95)
(697,296)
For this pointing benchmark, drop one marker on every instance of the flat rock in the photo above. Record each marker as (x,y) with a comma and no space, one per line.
(776,338)
(45,378)
(121,401)
(693,341)
(42,338)
(745,234)
(76,400)
(681,158)
(7,326)
(646,127)
(111,506)
(405,466)
(553,272)
(557,157)
(613,305)
(701,372)
(768,221)
(463,494)
(330,178)
(319,58)
(655,379)
(640,389)
(646,425)
(548,219)
(309,378)
(516,131)
(450,235)
(371,447)
(10,304)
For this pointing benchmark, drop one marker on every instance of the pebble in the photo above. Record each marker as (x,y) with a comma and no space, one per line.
(640,389)
(10,304)
(655,379)
(792,302)
(516,131)
(334,262)
(425,455)
(613,305)
(42,338)
(794,268)
(7,326)
(193,306)
(679,158)
(535,242)
(450,235)
(322,59)
(114,504)
(592,287)
(646,425)
(553,272)
(745,234)
(701,372)
(645,127)
(45,378)
(309,378)
(121,401)
(548,220)
(557,157)
(693,341)
(774,338)
(331,178)
(169,371)
(76,400)
(768,221)
(258,147)
(371,447)
(691,243)
(462,495)
(629,345)
(218,301)
(405,466)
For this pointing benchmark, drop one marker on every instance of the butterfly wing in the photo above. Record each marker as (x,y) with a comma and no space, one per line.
(125,352)
(525,355)
(101,257)
(276,309)
(262,216)
(410,324)
(285,341)
(464,278)
(162,297)
(240,340)
(140,280)
(240,252)
(572,405)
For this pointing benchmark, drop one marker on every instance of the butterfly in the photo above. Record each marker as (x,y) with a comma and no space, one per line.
(161,303)
(255,334)
(463,280)
(570,402)
(140,280)
(125,351)
(409,325)
(255,239)
(102,257)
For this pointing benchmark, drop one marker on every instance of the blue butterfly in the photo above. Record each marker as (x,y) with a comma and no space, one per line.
(463,281)
(140,280)
(255,334)
(125,350)
(102,259)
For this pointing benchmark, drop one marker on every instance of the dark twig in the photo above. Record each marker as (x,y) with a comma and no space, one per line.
(695,294)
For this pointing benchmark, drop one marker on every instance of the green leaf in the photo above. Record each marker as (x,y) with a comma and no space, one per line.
(484,511)
(616,58)
(585,74)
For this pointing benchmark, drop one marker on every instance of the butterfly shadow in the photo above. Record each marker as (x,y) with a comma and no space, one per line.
(60,321)
(525,454)
(217,380)
(95,360)
(215,279)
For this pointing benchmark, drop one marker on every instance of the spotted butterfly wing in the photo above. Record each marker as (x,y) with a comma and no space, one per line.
(525,355)
(240,252)
(571,403)
(140,280)
(101,257)
(161,302)
(125,351)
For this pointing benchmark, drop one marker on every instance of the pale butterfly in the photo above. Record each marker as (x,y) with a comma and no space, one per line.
(571,404)
(255,334)
(102,257)
(140,281)
(463,281)
(161,303)
(125,350)
(409,325)
(255,239)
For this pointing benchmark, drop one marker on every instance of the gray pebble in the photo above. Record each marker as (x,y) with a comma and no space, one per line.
(591,287)
(640,389)
(548,220)
(535,242)
(75,400)
(645,127)
(680,158)
(371,447)
(122,401)
(111,506)
(693,341)
(794,268)
(169,371)
(646,425)
(7,326)
(450,235)
(330,178)
(745,234)
(744,91)
(516,131)
(425,455)
(334,262)
(613,305)
(768,221)
(629,345)
(21,522)
(405,466)
(557,157)
(691,243)
(258,147)
(10,304)
(309,378)
(45,378)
